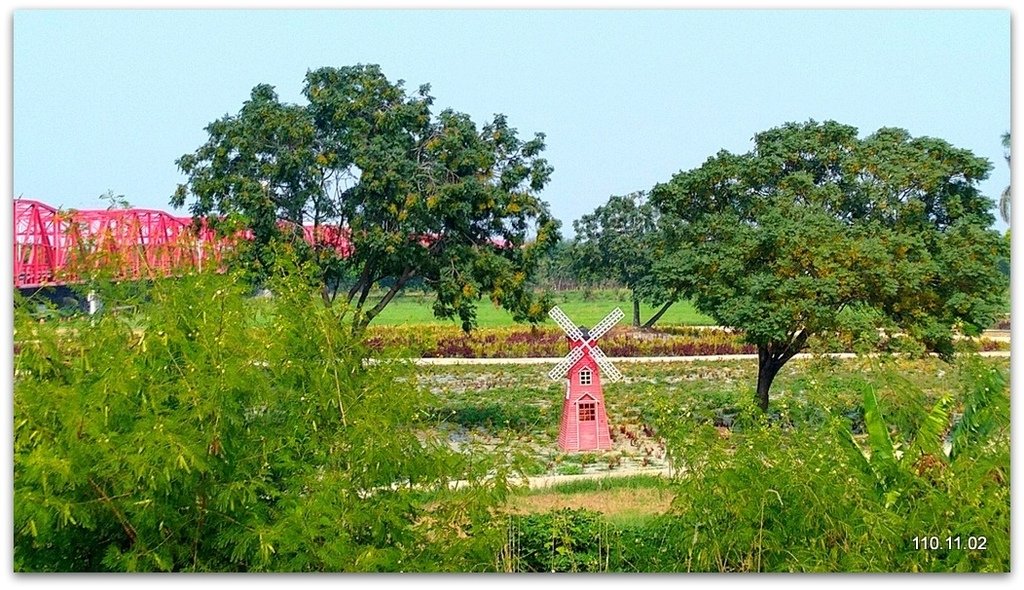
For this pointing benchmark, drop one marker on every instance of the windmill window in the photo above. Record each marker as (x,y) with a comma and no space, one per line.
(586,377)
(588,412)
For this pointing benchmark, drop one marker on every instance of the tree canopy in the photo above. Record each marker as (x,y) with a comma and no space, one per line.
(417,195)
(621,240)
(814,222)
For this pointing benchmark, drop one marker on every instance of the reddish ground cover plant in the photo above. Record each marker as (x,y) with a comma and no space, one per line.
(523,342)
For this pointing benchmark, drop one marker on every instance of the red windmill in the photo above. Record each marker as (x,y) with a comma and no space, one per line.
(584,425)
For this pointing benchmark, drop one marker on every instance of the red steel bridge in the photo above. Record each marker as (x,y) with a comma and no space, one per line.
(49,244)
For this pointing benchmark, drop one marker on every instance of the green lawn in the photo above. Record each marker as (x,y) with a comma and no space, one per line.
(415,308)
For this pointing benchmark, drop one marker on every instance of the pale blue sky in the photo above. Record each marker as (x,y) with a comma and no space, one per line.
(109,99)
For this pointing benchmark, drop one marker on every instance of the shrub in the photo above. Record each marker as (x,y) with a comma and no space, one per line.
(771,498)
(570,469)
(208,441)
(567,540)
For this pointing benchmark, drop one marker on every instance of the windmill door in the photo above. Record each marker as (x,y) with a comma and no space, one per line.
(586,422)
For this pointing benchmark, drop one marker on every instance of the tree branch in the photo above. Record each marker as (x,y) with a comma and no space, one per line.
(364,294)
(364,277)
(794,345)
(125,524)
(402,280)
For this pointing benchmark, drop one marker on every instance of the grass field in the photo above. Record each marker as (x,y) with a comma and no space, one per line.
(415,308)
(483,404)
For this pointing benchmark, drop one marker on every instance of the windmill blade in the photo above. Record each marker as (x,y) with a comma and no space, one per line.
(570,359)
(606,324)
(608,370)
(563,321)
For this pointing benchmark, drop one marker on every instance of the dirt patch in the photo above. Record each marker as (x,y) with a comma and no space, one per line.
(644,501)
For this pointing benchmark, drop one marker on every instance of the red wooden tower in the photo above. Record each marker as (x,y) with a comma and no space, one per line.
(584,425)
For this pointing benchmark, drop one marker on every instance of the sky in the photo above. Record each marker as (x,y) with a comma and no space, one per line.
(109,99)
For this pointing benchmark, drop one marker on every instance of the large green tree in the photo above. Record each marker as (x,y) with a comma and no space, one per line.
(785,240)
(418,194)
(620,241)
(557,270)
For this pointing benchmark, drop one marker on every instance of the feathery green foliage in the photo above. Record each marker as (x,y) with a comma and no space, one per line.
(210,441)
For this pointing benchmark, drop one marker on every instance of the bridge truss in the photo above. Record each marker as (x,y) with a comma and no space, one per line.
(54,247)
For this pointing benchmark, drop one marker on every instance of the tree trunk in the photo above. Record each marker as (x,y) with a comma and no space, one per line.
(770,359)
(636,311)
(767,368)
(660,313)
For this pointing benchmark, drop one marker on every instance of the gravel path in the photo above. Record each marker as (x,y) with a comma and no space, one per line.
(642,359)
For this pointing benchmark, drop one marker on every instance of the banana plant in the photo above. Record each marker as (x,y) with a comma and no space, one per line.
(986,410)
(893,469)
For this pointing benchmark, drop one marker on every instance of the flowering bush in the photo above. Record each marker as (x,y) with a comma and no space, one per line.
(521,342)
(433,341)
